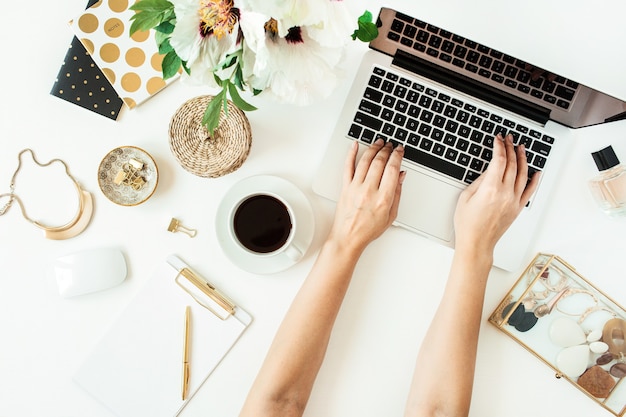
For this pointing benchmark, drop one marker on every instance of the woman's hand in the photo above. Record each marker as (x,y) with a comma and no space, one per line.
(370,195)
(487,207)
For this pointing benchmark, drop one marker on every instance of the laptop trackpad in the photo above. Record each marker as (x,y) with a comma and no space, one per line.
(427,205)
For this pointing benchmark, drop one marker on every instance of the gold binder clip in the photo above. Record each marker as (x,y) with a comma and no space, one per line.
(130,175)
(205,294)
(175,226)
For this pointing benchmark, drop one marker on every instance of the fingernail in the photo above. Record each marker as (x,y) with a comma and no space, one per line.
(399,148)
(379,141)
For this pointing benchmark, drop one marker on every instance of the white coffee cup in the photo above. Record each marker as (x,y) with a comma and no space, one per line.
(264,224)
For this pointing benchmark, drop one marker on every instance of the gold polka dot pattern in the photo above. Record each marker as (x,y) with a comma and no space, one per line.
(131,64)
(81,82)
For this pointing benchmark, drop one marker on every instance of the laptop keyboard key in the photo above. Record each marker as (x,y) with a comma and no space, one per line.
(426,144)
(439,149)
(413,139)
(397,26)
(426,116)
(564,92)
(388,129)
(368,121)
(451,154)
(477,164)
(368,136)
(471,177)
(541,148)
(475,149)
(464,131)
(393,36)
(462,145)
(420,157)
(422,36)
(437,135)
(386,114)
(370,108)
(355,131)
(409,31)
(373,95)
(406,42)
(539,161)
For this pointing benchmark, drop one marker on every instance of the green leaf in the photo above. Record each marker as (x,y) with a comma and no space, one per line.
(186,68)
(170,65)
(366,17)
(239,78)
(229,60)
(239,102)
(165,27)
(218,80)
(211,117)
(164,46)
(367,30)
(155,6)
(143,22)
(150,14)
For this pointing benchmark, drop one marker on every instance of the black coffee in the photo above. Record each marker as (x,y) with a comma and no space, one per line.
(262,223)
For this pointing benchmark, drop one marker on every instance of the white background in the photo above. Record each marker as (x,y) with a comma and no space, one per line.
(397,284)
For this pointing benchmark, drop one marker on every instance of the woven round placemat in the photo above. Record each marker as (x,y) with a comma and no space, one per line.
(201,154)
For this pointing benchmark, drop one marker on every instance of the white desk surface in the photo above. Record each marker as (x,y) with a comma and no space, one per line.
(396,286)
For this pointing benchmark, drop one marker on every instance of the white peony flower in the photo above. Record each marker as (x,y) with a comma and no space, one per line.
(295,68)
(205,32)
(328,20)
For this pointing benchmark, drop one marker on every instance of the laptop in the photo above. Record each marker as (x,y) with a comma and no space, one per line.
(445,97)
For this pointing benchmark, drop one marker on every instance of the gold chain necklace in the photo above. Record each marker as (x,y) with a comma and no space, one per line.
(68,230)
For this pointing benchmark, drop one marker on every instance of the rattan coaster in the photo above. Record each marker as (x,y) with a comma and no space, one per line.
(205,156)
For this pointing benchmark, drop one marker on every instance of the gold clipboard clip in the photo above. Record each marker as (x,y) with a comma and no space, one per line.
(202,291)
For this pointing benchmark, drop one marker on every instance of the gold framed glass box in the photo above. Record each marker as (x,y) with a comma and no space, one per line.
(570,325)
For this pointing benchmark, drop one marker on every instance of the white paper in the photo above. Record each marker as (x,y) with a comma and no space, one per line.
(136,370)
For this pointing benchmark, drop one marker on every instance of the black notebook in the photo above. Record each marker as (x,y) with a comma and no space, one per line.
(80,81)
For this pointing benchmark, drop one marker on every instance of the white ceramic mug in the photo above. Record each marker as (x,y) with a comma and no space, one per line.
(264,224)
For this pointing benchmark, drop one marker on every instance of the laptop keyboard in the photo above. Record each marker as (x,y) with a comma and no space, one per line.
(440,132)
(470,57)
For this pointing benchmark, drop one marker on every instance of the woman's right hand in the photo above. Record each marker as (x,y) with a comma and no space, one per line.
(490,204)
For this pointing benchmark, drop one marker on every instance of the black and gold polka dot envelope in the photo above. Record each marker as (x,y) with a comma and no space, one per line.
(132,64)
(81,82)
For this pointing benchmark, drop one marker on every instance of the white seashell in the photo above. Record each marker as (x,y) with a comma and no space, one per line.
(594,336)
(572,361)
(566,332)
(598,347)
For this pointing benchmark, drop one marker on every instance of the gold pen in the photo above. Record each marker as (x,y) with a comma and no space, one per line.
(185,384)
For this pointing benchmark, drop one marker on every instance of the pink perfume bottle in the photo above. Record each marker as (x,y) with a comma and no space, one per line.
(609,188)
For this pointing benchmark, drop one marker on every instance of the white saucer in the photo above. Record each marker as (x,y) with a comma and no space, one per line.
(303,212)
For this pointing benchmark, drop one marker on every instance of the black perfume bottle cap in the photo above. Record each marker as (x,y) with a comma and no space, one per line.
(605,158)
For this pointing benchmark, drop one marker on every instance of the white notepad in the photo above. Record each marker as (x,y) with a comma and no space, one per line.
(136,370)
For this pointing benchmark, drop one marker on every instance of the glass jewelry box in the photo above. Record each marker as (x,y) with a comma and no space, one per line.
(570,325)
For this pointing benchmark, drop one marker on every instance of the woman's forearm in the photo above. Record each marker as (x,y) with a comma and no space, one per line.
(444,371)
(286,378)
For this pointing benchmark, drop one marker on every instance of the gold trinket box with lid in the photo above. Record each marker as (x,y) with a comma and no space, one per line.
(570,325)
